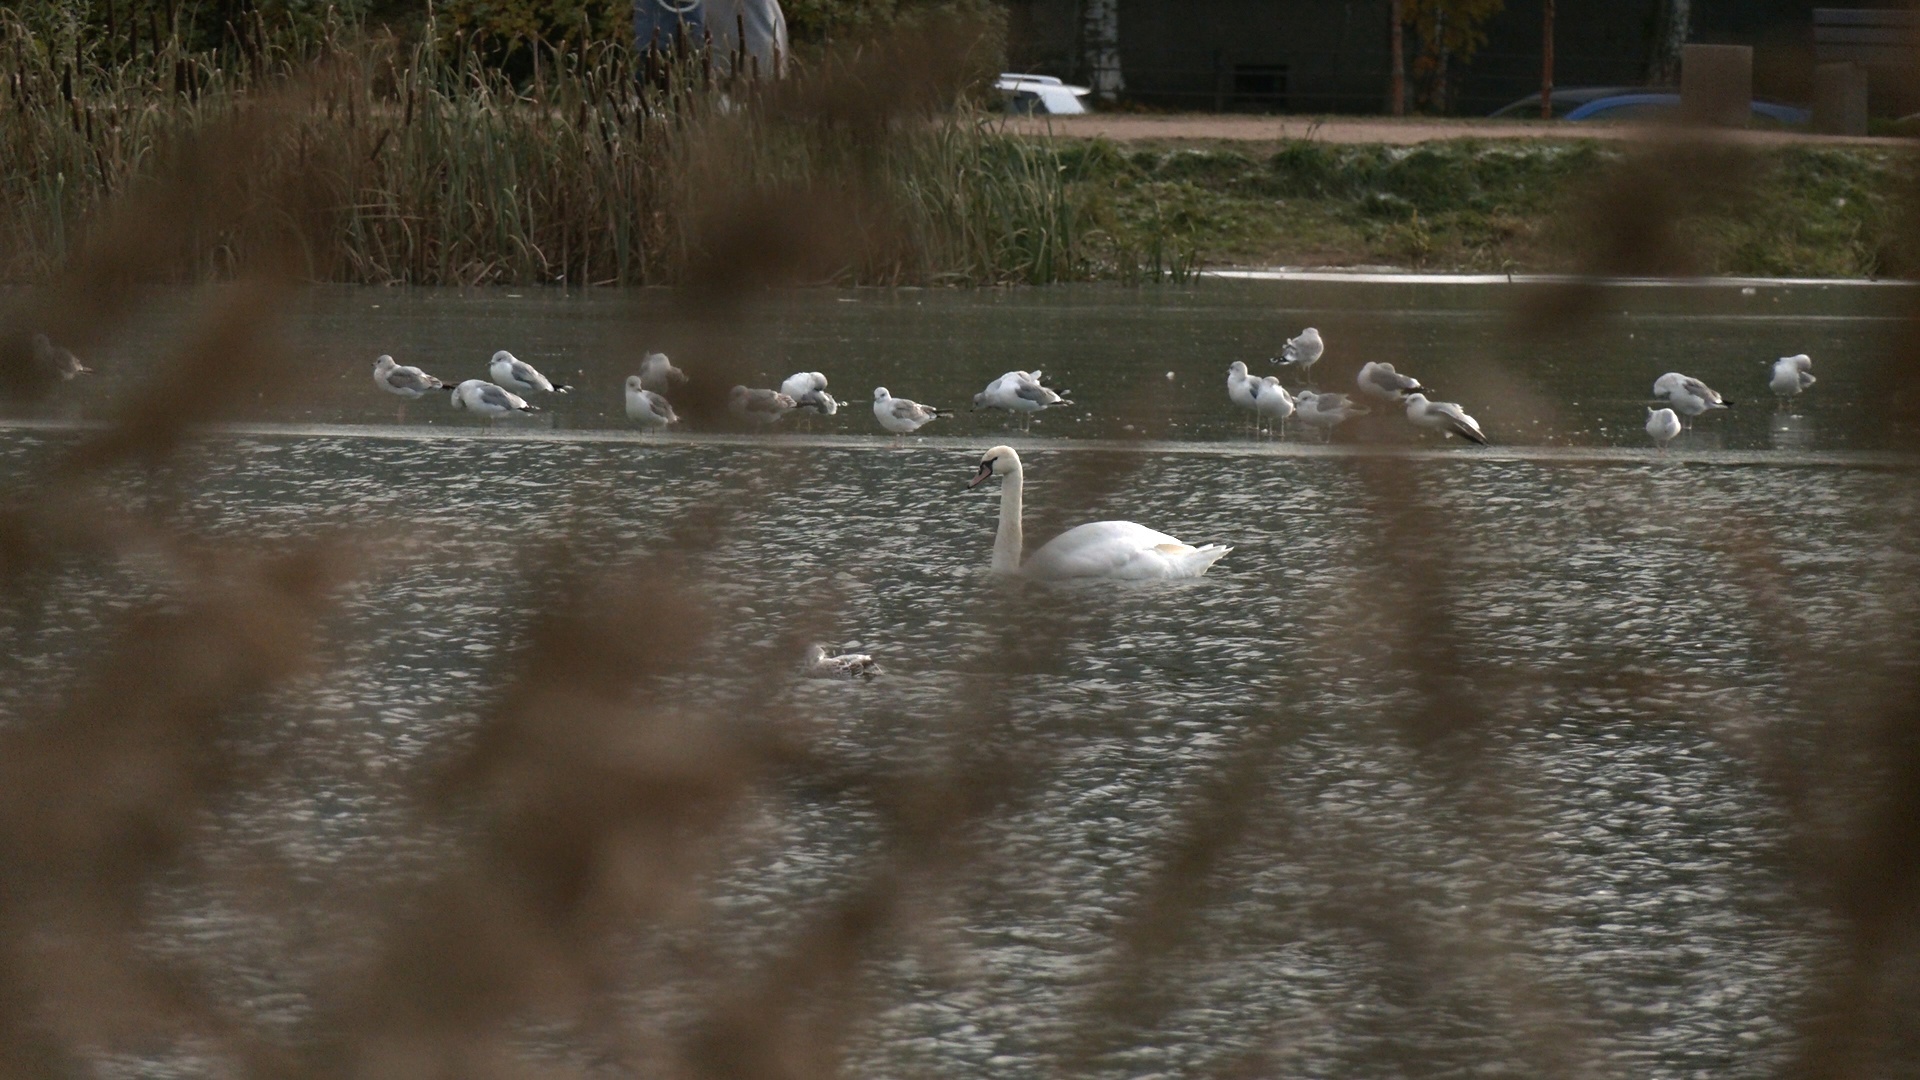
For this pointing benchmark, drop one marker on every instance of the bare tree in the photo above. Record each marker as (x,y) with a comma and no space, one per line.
(1666,63)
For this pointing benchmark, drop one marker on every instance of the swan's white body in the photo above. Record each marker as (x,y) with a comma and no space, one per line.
(649,408)
(1663,426)
(515,374)
(1791,375)
(656,371)
(1117,550)
(1444,417)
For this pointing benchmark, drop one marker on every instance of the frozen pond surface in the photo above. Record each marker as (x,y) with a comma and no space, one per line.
(1624,901)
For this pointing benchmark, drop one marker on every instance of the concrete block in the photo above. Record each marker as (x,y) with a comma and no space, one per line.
(1840,99)
(1716,84)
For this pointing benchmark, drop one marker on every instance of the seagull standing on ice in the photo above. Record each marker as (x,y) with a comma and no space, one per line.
(649,408)
(1791,375)
(1689,396)
(762,407)
(512,373)
(1304,351)
(404,380)
(1019,392)
(1325,411)
(488,400)
(1241,388)
(899,415)
(1444,416)
(808,389)
(844,666)
(1663,426)
(656,371)
(1271,400)
(1381,381)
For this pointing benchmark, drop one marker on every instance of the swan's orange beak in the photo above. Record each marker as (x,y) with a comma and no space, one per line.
(986,470)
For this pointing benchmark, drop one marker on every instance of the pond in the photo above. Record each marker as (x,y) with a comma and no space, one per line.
(1606,885)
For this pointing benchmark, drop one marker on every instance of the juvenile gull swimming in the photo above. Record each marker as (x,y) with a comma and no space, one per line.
(819,665)
(516,374)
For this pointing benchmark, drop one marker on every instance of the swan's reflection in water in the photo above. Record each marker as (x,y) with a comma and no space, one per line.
(1624,736)
(1792,431)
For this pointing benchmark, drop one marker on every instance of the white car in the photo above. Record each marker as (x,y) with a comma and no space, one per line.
(1040,94)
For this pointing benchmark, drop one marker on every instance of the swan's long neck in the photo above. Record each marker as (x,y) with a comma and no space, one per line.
(1006,545)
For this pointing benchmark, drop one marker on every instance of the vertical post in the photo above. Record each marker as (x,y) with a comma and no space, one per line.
(1103,49)
(1398,94)
(1546,61)
(1679,27)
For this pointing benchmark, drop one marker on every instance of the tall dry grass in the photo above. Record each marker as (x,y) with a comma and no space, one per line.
(431,167)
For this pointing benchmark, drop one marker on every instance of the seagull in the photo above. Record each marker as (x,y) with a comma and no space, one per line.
(1662,425)
(1689,396)
(899,415)
(762,407)
(656,371)
(1270,399)
(1304,350)
(844,666)
(404,380)
(1381,381)
(1241,388)
(1325,410)
(57,361)
(1791,375)
(1019,392)
(1445,417)
(490,401)
(808,389)
(646,406)
(512,373)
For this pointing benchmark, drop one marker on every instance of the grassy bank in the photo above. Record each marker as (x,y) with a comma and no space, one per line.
(1506,206)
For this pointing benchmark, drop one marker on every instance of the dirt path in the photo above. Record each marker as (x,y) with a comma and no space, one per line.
(1216,127)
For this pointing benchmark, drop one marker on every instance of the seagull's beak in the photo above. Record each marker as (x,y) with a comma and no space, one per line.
(986,470)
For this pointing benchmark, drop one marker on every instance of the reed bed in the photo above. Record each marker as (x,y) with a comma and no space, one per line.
(429,167)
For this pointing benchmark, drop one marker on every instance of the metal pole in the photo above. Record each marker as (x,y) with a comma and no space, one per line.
(1546,64)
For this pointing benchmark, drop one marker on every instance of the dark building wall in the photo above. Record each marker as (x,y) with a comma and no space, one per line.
(1332,55)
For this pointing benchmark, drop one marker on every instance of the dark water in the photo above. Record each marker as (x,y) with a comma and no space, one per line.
(1607,888)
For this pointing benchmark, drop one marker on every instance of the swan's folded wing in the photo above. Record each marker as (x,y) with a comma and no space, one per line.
(1119,549)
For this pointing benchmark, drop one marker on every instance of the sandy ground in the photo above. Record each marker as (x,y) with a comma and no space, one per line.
(1217,127)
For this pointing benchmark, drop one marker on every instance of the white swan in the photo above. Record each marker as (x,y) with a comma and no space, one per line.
(1101,549)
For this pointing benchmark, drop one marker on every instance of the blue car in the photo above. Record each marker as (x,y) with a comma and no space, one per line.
(1663,106)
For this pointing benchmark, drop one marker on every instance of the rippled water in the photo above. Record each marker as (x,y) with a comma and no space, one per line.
(1607,885)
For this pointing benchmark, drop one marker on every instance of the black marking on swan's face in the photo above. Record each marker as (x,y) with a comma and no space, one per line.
(986,470)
